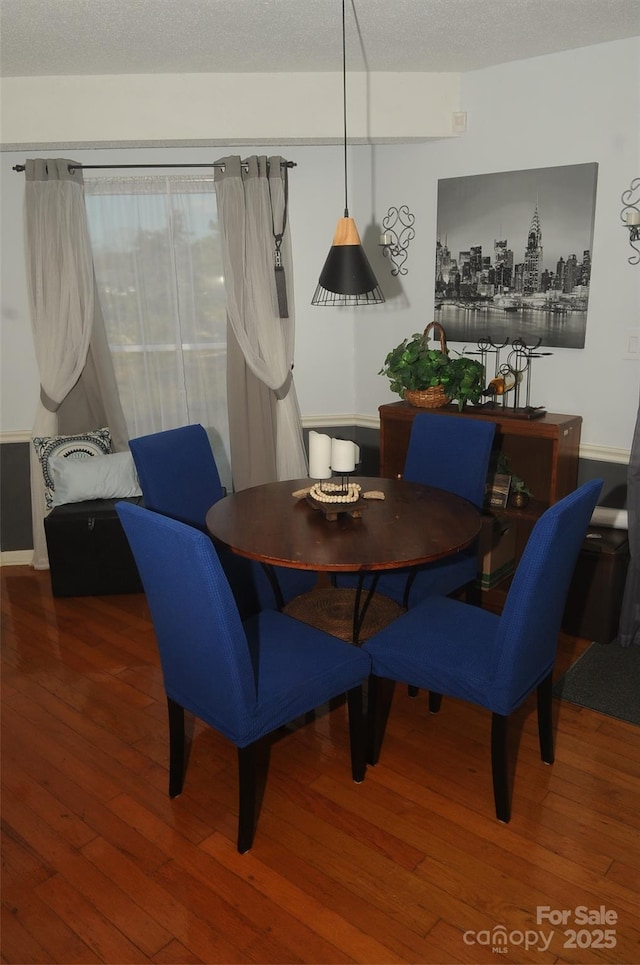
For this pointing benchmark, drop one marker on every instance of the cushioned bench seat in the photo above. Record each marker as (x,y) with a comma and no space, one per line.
(89,553)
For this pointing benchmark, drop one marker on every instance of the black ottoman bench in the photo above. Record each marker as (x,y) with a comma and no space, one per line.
(89,553)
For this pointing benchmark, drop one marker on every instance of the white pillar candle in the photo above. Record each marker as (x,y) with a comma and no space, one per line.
(613,518)
(633,216)
(344,455)
(319,455)
(386,238)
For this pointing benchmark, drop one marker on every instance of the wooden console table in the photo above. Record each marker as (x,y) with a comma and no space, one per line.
(544,452)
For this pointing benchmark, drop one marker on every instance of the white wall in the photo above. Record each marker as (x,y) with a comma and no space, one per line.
(201,109)
(575,107)
(571,108)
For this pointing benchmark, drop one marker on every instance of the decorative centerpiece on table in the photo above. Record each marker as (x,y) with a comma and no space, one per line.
(431,378)
(328,456)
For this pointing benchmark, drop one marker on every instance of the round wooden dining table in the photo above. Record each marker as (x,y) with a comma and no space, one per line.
(396,524)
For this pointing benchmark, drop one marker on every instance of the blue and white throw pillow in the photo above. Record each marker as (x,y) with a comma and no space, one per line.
(97,442)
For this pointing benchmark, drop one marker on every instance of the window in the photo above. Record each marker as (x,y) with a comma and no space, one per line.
(158,265)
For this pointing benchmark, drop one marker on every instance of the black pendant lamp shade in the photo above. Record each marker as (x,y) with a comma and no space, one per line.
(347,277)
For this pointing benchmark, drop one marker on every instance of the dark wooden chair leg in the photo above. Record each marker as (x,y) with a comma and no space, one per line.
(253,768)
(435,701)
(247,796)
(373,744)
(379,704)
(176,747)
(499,767)
(412,691)
(544,695)
(357,734)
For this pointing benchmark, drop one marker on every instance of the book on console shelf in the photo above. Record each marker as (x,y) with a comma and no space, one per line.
(497,491)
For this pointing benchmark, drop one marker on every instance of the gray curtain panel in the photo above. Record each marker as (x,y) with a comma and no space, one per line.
(629,628)
(252,421)
(251,198)
(94,400)
(69,338)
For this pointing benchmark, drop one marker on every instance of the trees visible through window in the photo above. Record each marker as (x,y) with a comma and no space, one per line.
(158,264)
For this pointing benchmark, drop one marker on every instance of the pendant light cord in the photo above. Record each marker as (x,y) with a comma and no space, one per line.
(344,105)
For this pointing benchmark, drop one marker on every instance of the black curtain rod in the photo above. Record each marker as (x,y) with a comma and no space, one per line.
(96,167)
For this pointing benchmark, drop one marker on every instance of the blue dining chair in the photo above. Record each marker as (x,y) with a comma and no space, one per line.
(452,453)
(450,647)
(243,678)
(179,478)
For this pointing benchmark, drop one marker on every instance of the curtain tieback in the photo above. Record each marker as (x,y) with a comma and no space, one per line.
(283,391)
(278,267)
(47,402)
(281,281)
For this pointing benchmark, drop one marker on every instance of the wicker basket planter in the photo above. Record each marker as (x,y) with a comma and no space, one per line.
(430,378)
(432,398)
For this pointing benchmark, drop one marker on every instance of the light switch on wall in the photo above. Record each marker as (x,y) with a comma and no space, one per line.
(631,348)
(459,124)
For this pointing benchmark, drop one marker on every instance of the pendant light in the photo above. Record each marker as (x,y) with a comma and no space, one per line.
(347,277)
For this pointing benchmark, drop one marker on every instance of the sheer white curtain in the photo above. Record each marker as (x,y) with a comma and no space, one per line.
(251,206)
(61,293)
(158,264)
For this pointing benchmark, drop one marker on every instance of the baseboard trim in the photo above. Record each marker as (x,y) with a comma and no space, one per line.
(16,557)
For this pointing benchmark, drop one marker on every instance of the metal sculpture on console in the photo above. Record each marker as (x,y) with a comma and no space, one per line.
(397,234)
(510,375)
(519,361)
(487,347)
(630,217)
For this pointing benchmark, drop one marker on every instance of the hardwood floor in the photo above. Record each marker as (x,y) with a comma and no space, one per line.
(99,865)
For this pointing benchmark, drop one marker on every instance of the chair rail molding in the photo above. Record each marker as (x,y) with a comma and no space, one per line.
(587,451)
(605,454)
(15,435)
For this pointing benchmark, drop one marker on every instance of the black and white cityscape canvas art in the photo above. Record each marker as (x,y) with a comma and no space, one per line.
(513,255)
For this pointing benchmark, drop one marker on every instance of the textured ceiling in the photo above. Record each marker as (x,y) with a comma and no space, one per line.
(48,37)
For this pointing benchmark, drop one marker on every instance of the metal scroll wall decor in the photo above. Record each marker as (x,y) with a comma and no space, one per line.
(630,217)
(397,233)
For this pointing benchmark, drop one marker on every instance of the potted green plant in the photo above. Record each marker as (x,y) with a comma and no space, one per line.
(429,377)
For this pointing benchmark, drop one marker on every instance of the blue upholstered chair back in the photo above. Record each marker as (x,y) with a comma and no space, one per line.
(179,478)
(450,453)
(526,640)
(178,473)
(204,653)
